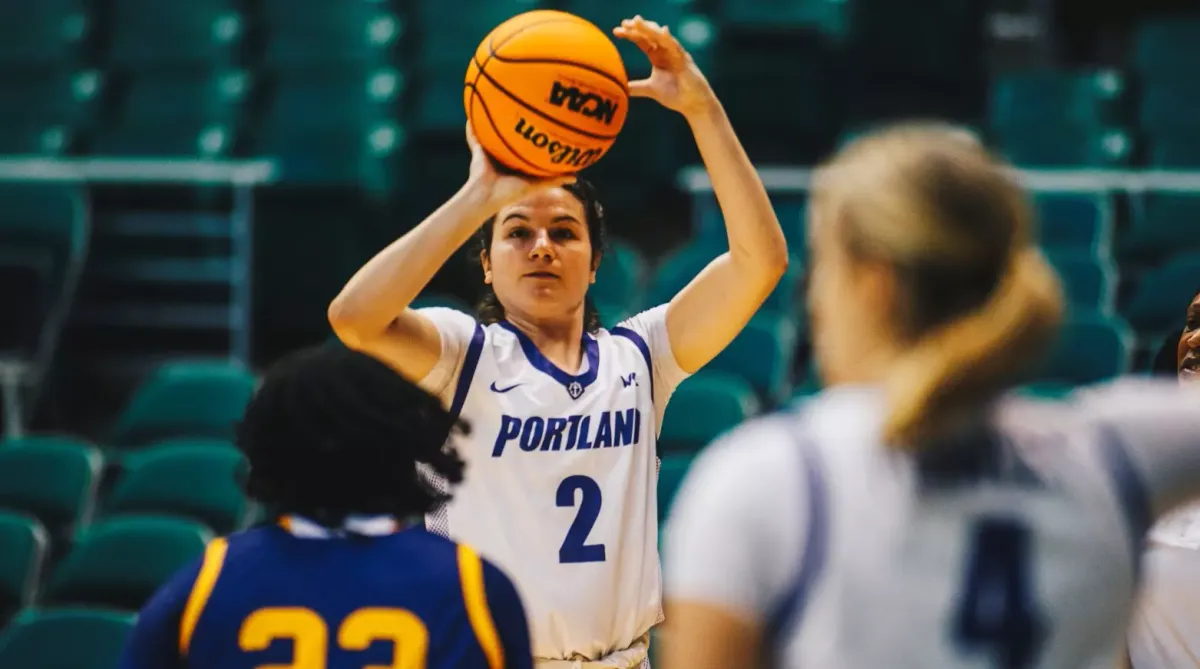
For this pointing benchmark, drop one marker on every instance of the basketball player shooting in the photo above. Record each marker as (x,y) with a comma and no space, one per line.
(561,490)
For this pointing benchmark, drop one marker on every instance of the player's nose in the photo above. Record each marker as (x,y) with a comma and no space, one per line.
(542,246)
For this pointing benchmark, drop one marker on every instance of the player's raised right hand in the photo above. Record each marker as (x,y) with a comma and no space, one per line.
(499,189)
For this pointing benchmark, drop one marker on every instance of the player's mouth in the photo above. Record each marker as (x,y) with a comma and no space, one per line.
(541,275)
(1190,369)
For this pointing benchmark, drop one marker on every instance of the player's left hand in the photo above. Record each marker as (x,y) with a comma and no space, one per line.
(675,82)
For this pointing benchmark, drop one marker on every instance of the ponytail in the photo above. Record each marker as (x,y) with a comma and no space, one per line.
(958,366)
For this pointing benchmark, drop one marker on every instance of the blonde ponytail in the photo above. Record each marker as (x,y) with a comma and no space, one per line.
(955,368)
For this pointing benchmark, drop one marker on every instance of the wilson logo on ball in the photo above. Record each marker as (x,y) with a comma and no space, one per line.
(559,153)
(589,105)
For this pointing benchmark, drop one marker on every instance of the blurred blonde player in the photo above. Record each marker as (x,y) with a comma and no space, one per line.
(914,515)
(561,490)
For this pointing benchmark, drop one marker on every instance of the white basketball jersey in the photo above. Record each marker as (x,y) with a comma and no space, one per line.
(1015,546)
(561,477)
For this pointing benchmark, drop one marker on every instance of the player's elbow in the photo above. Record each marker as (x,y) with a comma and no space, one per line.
(347,322)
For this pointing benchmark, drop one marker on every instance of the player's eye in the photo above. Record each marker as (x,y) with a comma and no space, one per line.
(563,234)
(518,232)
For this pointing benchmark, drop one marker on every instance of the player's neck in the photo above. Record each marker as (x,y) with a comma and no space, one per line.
(560,342)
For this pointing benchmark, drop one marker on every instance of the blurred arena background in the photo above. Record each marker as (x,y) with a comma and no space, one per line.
(185,185)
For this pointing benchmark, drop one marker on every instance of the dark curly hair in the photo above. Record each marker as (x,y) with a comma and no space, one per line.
(489,310)
(333,432)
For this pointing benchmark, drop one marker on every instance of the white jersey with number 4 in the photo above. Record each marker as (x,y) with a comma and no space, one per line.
(561,478)
(1015,546)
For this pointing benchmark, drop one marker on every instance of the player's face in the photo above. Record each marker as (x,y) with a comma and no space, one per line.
(1187,355)
(848,307)
(541,260)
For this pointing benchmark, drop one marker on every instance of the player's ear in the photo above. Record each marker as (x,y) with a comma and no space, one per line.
(595,266)
(486,263)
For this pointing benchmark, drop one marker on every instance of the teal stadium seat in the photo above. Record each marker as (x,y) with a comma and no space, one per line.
(1165,102)
(619,278)
(43,241)
(829,16)
(43,111)
(196,482)
(1164,223)
(671,472)
(1088,281)
(703,407)
(692,29)
(120,562)
(65,639)
(1074,222)
(24,542)
(362,34)
(1062,147)
(679,268)
(53,479)
(708,225)
(186,399)
(148,34)
(336,126)
(1167,46)
(762,354)
(1091,348)
(1055,98)
(1175,149)
(448,301)
(41,34)
(1163,294)
(177,113)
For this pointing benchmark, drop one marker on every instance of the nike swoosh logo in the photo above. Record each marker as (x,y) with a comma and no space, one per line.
(503,390)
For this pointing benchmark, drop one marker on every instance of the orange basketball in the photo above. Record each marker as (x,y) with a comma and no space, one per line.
(546,93)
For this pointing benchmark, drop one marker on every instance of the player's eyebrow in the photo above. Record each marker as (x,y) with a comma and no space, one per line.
(515,216)
(565,218)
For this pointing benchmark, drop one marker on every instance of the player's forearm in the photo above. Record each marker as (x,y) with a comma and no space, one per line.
(384,287)
(756,241)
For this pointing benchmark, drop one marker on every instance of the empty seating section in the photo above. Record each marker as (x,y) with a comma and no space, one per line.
(185,399)
(68,638)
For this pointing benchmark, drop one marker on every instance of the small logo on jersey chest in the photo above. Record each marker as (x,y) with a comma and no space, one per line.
(496,389)
(630,380)
(575,389)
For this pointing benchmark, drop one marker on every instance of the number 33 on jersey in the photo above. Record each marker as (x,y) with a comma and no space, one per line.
(269,598)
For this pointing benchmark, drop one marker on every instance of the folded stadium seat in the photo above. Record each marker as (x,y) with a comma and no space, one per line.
(1163,294)
(829,16)
(364,34)
(1163,223)
(679,268)
(148,34)
(703,407)
(118,563)
(186,399)
(194,482)
(762,354)
(42,33)
(51,478)
(65,639)
(1089,282)
(708,225)
(671,471)
(43,242)
(1165,101)
(1091,347)
(335,127)
(1036,98)
(1174,149)
(188,112)
(619,278)
(1075,222)
(1065,146)
(43,111)
(1164,46)
(25,544)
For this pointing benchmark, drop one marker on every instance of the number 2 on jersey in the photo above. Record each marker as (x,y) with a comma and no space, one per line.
(574,548)
(997,613)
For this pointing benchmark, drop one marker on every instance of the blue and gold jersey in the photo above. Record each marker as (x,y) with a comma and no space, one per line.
(274,597)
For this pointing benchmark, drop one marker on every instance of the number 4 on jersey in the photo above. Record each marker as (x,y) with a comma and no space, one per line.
(997,613)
